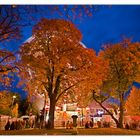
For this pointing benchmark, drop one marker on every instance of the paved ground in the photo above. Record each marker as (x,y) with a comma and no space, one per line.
(94,131)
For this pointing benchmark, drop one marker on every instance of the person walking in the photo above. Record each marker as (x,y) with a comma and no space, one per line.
(67,125)
(87,125)
(41,121)
(12,127)
(91,124)
(7,126)
(71,125)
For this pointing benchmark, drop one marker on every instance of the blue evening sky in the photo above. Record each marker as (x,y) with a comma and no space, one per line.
(108,24)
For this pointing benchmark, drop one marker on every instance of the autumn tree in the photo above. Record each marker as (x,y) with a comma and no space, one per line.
(7,62)
(132,105)
(7,103)
(56,59)
(13,18)
(11,23)
(124,61)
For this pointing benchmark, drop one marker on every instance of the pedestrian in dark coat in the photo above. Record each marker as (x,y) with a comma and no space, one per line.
(7,126)
(12,127)
(87,125)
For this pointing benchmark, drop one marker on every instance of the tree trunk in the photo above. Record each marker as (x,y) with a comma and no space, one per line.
(110,113)
(121,114)
(51,114)
(115,120)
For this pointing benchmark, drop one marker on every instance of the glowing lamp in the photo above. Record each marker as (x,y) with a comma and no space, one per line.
(78,109)
(47,107)
(100,112)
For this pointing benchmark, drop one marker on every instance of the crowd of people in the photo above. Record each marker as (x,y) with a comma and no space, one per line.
(133,124)
(98,124)
(15,125)
(38,122)
(18,123)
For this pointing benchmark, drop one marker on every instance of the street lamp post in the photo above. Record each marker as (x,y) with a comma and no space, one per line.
(13,99)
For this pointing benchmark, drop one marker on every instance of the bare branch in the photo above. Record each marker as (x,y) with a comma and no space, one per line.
(11,55)
(67,89)
(101,104)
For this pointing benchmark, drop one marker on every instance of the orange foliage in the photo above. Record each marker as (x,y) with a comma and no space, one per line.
(5,102)
(133,102)
(124,61)
(56,59)
(14,111)
(7,65)
(123,69)
(56,44)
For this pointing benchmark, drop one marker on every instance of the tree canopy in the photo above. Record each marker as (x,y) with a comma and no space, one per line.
(133,102)
(56,59)
(123,70)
